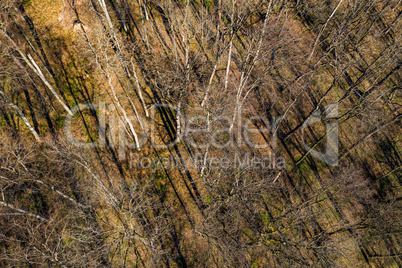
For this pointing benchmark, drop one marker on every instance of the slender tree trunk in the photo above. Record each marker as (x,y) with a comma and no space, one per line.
(20,113)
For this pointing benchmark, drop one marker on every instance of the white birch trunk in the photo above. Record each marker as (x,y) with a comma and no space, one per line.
(23,211)
(37,70)
(323,27)
(137,83)
(21,114)
(32,64)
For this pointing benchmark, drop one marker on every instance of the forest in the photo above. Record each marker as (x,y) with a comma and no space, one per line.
(200,133)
